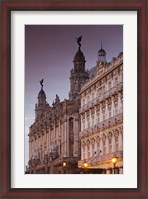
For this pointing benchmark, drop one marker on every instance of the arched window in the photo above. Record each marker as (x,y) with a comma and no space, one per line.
(71,137)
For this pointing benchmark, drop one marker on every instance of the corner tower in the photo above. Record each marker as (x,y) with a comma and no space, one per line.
(101,62)
(78,74)
(101,55)
(42,106)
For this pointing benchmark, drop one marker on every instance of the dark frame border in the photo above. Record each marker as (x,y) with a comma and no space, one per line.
(141,6)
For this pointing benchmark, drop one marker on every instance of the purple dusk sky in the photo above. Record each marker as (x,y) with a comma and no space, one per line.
(49,54)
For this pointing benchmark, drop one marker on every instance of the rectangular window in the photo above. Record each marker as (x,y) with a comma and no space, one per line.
(87,99)
(98,120)
(88,122)
(104,147)
(109,85)
(116,146)
(98,148)
(83,102)
(116,138)
(93,149)
(92,96)
(92,120)
(110,148)
(110,145)
(83,153)
(83,126)
(116,111)
(116,81)
(116,143)
(88,151)
(98,144)
(110,114)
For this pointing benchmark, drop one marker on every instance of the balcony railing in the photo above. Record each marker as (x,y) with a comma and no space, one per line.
(102,96)
(106,123)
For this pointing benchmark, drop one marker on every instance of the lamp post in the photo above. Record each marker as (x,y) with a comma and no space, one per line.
(85,164)
(64,166)
(114,161)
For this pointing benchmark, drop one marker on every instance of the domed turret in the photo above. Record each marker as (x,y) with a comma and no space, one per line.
(102,51)
(79,62)
(42,106)
(79,56)
(101,55)
(41,97)
(42,93)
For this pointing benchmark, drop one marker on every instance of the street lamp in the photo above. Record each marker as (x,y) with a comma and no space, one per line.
(64,167)
(64,164)
(85,164)
(114,161)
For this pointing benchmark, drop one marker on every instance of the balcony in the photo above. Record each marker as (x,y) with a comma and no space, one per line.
(101,125)
(102,96)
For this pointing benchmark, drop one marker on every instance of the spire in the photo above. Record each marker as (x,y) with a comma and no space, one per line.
(101,44)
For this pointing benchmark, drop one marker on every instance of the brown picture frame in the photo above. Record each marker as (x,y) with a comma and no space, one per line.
(141,6)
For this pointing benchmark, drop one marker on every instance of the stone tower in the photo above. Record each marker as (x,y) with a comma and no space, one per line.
(42,105)
(78,74)
(101,62)
(101,55)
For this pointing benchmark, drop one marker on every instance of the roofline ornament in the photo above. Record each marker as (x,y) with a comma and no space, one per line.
(78,41)
(41,83)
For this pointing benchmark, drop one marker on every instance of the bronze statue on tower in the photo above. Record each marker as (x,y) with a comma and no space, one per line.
(78,41)
(41,83)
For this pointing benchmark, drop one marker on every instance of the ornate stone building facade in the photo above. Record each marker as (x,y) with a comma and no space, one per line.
(86,128)
(54,145)
(102,115)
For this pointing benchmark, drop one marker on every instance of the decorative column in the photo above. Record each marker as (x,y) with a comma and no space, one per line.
(96,142)
(65,139)
(112,106)
(113,142)
(107,144)
(120,139)
(101,145)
